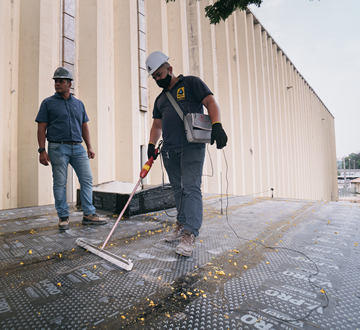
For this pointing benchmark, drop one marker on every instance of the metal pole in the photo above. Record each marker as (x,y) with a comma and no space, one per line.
(221,210)
(344,174)
(121,214)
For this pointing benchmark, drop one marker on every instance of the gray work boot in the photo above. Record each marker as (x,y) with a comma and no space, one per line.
(93,219)
(176,234)
(186,245)
(64,223)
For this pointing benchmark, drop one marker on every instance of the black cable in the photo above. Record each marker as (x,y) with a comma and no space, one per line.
(226,310)
(276,248)
(229,197)
(267,247)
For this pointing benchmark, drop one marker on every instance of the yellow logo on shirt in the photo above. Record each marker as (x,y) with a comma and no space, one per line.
(180,95)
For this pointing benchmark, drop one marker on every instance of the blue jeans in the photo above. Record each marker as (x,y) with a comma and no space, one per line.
(184,167)
(61,155)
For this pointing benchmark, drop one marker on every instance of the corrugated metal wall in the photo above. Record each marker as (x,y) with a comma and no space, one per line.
(280,133)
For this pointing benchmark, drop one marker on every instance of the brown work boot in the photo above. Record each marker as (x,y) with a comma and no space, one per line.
(64,223)
(186,245)
(176,234)
(93,219)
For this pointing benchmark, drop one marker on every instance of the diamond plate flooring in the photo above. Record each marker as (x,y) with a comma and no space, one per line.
(258,263)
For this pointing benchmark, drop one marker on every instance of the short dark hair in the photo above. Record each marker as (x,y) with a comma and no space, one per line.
(165,65)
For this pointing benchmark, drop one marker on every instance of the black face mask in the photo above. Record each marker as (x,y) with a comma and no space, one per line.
(164,83)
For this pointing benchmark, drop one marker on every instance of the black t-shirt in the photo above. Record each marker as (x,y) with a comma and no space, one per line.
(188,92)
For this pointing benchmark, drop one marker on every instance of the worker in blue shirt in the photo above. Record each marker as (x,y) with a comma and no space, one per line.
(183,160)
(62,120)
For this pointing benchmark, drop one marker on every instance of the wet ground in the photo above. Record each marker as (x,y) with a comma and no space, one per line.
(262,264)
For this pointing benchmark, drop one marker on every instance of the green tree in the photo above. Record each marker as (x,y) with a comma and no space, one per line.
(222,9)
(351,160)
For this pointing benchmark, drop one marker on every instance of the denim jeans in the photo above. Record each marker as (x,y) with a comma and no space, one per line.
(184,167)
(61,155)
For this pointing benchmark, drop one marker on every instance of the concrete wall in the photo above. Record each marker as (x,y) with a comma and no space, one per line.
(280,133)
(9,63)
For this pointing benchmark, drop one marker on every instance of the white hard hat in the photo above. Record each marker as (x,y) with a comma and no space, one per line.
(154,61)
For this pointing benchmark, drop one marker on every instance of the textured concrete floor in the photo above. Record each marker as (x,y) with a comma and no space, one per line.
(263,264)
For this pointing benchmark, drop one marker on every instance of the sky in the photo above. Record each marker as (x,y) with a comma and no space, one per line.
(322,40)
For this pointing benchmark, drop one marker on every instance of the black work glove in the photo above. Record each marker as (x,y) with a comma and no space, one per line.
(218,134)
(151,151)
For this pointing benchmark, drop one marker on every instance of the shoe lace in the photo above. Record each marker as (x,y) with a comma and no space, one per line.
(177,229)
(187,239)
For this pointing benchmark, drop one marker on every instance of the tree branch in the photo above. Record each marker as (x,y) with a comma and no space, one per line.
(222,9)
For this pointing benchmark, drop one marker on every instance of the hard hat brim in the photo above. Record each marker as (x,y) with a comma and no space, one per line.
(153,71)
(67,78)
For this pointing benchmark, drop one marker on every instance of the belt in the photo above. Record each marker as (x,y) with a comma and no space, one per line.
(65,142)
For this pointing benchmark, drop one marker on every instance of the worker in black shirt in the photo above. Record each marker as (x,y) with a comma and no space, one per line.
(183,161)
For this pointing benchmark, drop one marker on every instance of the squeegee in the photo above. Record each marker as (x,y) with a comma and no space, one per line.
(114,259)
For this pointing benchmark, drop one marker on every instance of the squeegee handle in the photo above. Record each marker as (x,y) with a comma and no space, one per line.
(145,170)
(121,214)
